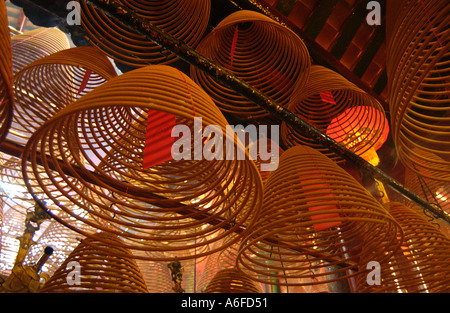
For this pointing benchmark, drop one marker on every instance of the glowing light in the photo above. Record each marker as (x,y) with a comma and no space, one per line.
(440,196)
(12,190)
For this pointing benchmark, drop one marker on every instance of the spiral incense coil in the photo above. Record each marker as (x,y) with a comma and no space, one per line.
(35,44)
(45,86)
(185,20)
(340,110)
(261,52)
(176,208)
(221,260)
(419,79)
(420,180)
(232,281)
(100,270)
(6,76)
(314,221)
(267,161)
(156,276)
(423,262)
(13,225)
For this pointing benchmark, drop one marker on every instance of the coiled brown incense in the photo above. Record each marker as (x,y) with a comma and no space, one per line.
(94,266)
(340,110)
(315,220)
(418,69)
(261,52)
(186,20)
(423,262)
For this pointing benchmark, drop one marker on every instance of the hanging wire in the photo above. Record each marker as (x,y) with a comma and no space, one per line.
(424,184)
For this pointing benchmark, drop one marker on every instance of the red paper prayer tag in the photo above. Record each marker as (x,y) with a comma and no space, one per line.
(327,97)
(83,85)
(233,44)
(158,142)
(320,185)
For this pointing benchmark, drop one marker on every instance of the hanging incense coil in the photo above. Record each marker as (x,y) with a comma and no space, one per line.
(174,209)
(185,20)
(421,180)
(221,260)
(35,44)
(258,50)
(6,76)
(314,221)
(338,109)
(45,86)
(232,281)
(156,276)
(419,81)
(60,238)
(100,270)
(423,262)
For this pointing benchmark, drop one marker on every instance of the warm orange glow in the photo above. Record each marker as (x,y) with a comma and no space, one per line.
(357,126)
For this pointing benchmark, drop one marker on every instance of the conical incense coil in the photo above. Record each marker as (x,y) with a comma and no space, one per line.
(156,276)
(35,44)
(425,180)
(340,110)
(60,238)
(15,203)
(232,281)
(258,50)
(418,76)
(185,20)
(423,262)
(173,207)
(221,260)
(47,85)
(268,161)
(315,216)
(6,75)
(93,266)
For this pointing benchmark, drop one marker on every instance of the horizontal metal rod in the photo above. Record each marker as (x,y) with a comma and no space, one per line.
(153,33)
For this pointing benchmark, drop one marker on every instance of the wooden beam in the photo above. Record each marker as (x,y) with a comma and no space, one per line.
(320,16)
(349,29)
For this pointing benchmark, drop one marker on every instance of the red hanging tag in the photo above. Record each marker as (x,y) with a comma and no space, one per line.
(83,85)
(159,140)
(233,44)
